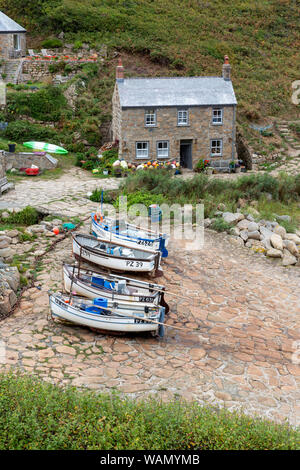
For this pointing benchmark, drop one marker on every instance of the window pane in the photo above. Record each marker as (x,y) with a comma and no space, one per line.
(142,149)
(182,117)
(162,149)
(216,147)
(150,118)
(217,116)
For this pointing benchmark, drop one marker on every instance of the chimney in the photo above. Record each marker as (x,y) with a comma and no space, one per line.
(120,71)
(226,68)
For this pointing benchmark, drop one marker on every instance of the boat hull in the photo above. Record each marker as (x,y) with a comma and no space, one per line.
(112,323)
(113,262)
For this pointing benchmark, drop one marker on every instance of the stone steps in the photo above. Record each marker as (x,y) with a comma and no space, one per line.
(11,69)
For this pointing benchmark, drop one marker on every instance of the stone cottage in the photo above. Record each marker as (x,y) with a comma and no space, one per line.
(181,118)
(12,38)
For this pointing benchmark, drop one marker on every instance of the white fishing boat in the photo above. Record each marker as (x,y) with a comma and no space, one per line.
(115,255)
(115,288)
(128,234)
(108,316)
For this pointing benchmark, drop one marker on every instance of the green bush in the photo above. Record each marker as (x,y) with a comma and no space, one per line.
(46,104)
(52,43)
(27,216)
(220,225)
(61,419)
(21,131)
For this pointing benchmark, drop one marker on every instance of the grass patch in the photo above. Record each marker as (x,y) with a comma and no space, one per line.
(69,419)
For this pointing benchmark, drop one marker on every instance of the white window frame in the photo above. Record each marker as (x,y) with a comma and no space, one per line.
(166,148)
(152,113)
(217,116)
(180,120)
(215,146)
(142,153)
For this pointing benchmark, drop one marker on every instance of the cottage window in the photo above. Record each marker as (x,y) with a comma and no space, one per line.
(217,116)
(150,117)
(142,149)
(16,42)
(216,148)
(182,117)
(162,149)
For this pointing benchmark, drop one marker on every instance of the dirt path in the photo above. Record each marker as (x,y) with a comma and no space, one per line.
(243,355)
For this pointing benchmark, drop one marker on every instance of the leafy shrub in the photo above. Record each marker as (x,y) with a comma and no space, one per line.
(28,216)
(83,420)
(21,131)
(220,225)
(46,104)
(52,43)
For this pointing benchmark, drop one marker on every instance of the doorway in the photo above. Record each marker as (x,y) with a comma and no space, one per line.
(186,160)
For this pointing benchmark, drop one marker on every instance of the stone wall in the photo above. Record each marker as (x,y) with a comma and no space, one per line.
(38,69)
(25,160)
(7,46)
(200,131)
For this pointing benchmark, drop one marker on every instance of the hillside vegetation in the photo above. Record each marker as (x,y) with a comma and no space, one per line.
(69,419)
(190,37)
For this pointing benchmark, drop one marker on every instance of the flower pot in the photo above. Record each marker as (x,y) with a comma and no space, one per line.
(12,148)
(105,172)
(209,171)
(238,169)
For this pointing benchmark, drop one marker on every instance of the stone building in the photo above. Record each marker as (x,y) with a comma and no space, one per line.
(181,118)
(12,38)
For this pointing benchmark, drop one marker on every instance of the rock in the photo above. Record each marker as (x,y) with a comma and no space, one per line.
(276,241)
(12,233)
(280,231)
(289,236)
(206,222)
(242,202)
(291,247)
(5,243)
(273,253)
(5,215)
(266,233)
(221,206)
(254,235)
(266,243)
(35,228)
(231,218)
(288,259)
(253,227)
(6,252)
(243,224)
(234,231)
(244,235)
(55,222)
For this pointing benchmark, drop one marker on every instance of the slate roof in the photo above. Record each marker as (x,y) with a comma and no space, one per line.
(175,91)
(7,25)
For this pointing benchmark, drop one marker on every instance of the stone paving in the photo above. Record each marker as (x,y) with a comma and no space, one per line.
(239,349)
(66,195)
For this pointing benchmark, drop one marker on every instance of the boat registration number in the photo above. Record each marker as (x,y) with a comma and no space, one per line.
(137,320)
(145,299)
(145,243)
(135,264)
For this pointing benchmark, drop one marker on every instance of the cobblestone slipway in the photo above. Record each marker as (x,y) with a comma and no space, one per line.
(243,354)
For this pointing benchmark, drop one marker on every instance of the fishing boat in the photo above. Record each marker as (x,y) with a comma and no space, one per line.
(129,234)
(113,287)
(115,256)
(108,316)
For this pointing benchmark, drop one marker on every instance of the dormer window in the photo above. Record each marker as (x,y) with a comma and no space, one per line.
(150,118)
(182,117)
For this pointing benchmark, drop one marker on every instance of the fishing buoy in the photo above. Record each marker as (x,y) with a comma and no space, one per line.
(56,230)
